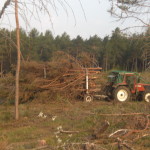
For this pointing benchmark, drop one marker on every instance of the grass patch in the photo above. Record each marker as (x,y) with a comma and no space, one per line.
(21,134)
(145,142)
(77,116)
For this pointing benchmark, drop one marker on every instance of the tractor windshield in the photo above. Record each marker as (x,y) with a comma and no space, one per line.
(115,77)
(112,77)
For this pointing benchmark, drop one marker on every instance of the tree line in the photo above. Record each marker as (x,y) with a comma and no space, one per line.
(117,51)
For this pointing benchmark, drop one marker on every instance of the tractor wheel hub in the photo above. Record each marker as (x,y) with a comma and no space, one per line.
(122,95)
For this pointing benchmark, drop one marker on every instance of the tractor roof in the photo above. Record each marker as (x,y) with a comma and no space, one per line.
(124,72)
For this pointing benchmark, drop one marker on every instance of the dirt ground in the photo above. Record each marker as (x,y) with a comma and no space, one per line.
(76,125)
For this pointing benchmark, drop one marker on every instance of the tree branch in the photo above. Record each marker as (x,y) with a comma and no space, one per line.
(7,3)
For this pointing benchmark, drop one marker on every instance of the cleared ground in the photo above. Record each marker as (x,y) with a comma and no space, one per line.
(40,125)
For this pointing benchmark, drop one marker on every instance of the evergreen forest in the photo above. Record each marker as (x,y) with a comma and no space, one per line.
(117,51)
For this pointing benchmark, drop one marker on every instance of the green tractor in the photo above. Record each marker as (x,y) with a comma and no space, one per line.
(123,86)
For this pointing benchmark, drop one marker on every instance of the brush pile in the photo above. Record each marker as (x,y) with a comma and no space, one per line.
(63,76)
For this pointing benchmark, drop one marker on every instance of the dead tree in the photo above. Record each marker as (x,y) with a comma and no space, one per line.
(18,61)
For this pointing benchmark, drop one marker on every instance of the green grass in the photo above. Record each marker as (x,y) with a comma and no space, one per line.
(21,134)
(73,116)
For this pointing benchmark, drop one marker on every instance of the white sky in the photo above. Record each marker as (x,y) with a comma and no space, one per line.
(98,21)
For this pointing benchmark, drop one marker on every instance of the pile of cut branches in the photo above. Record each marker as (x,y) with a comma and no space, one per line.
(63,76)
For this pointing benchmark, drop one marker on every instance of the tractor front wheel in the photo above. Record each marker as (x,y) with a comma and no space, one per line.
(146,96)
(122,94)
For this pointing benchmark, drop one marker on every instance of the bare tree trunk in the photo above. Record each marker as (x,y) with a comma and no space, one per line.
(106,62)
(10,50)
(18,62)
(136,64)
(2,67)
(45,73)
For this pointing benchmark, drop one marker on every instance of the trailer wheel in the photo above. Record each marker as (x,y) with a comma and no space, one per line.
(146,96)
(88,98)
(122,94)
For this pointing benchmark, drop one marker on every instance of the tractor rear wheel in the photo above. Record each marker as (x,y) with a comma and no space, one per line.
(146,96)
(122,94)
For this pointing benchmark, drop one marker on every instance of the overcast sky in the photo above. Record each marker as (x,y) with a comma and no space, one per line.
(96,20)
(93,20)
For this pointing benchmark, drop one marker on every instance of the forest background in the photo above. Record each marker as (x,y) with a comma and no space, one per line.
(117,51)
